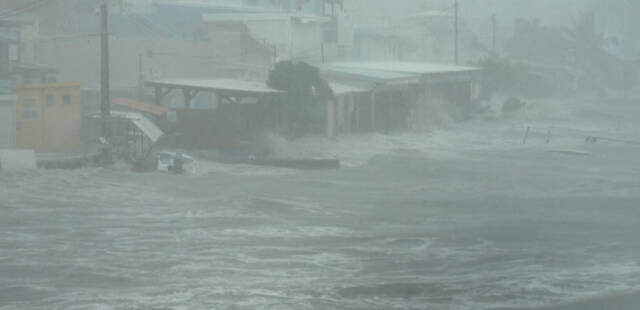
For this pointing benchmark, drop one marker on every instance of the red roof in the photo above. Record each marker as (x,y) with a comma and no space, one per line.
(141,106)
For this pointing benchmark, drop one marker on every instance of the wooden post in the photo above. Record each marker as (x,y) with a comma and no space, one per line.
(105,89)
(158,95)
(329,116)
(356,107)
(188,96)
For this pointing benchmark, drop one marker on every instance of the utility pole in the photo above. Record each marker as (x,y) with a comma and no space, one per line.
(275,53)
(105,101)
(455,8)
(140,78)
(494,23)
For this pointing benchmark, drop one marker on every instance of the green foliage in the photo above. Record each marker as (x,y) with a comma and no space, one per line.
(302,106)
(570,58)
(500,75)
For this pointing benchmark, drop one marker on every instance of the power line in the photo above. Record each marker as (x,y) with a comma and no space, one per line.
(24,9)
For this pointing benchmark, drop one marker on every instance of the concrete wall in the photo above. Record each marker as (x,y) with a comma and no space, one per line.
(78,59)
(49,117)
(53,15)
(221,128)
(342,115)
(280,35)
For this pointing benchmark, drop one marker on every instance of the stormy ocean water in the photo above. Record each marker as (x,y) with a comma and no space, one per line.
(463,216)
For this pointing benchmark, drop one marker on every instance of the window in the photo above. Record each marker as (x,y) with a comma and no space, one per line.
(30,110)
(66,99)
(51,101)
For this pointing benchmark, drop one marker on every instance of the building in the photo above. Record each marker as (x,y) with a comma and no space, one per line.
(7,48)
(238,111)
(397,90)
(14,68)
(7,121)
(343,111)
(52,16)
(308,30)
(381,44)
(316,7)
(49,117)
(284,35)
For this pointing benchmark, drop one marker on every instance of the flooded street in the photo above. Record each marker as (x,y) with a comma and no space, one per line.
(463,217)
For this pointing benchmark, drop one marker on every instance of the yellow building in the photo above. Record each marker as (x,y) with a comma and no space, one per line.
(49,117)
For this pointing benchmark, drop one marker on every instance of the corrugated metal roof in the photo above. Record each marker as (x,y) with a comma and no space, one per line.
(404,67)
(433,13)
(228,85)
(342,89)
(141,106)
(378,75)
(372,74)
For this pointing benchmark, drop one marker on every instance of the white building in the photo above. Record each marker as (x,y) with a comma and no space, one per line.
(296,36)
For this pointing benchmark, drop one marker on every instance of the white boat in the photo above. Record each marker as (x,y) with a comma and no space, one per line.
(168,162)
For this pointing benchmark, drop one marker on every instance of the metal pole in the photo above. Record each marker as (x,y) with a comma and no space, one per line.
(105,101)
(140,78)
(322,52)
(455,6)
(494,22)
(275,53)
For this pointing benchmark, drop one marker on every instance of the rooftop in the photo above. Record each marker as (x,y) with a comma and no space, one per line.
(141,106)
(369,74)
(433,14)
(217,85)
(403,67)
(342,89)
(263,16)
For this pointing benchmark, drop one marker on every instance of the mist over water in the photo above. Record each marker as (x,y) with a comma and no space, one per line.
(511,180)
(463,216)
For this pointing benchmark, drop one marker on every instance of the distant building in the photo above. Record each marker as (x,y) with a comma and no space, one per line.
(49,117)
(375,44)
(316,7)
(344,110)
(396,91)
(242,109)
(52,16)
(7,121)
(13,67)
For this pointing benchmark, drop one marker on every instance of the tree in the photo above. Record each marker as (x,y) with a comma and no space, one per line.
(500,75)
(575,55)
(306,92)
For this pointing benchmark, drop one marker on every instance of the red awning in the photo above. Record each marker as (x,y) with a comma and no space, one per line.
(143,107)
